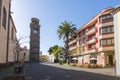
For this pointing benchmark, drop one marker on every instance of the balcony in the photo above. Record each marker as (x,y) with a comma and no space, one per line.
(83,44)
(93,50)
(73,54)
(73,47)
(91,41)
(73,41)
(108,48)
(106,24)
(90,32)
(106,36)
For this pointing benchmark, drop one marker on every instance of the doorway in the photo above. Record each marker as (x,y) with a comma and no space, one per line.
(111,60)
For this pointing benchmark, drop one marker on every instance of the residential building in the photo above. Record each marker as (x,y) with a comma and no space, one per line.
(116,13)
(34,39)
(94,41)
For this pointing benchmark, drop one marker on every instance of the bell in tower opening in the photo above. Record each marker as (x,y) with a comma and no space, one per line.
(34,40)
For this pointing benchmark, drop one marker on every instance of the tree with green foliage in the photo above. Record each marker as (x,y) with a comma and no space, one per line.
(65,30)
(56,50)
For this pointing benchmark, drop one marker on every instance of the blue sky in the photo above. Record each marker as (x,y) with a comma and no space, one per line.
(51,13)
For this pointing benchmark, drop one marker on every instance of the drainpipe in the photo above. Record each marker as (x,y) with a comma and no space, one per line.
(8,30)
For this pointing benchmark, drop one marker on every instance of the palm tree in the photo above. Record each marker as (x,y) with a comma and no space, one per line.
(57,51)
(50,50)
(65,30)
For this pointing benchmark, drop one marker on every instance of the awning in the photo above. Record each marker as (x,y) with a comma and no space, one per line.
(74,58)
(80,57)
(93,58)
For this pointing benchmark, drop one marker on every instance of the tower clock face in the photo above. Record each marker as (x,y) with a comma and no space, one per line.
(35,31)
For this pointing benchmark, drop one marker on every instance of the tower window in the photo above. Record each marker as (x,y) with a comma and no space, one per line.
(4,18)
(12,34)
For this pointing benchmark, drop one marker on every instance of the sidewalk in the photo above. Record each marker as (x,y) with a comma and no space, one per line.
(6,72)
(104,71)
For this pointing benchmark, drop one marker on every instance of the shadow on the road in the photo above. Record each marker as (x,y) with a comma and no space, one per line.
(47,72)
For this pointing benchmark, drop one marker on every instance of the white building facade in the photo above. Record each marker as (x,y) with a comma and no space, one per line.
(24,54)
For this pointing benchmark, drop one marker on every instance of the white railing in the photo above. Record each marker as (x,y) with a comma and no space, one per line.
(106,24)
(91,41)
(91,31)
(73,41)
(106,36)
(109,48)
(71,48)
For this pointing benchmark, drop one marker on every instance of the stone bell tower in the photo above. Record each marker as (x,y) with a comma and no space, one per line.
(34,40)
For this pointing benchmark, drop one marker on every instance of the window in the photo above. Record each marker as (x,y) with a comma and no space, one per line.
(103,42)
(12,33)
(79,41)
(24,54)
(108,29)
(93,61)
(112,29)
(103,30)
(4,18)
(35,22)
(107,42)
(112,41)
(92,46)
(106,18)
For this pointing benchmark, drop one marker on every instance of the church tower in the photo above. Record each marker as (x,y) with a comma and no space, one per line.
(34,39)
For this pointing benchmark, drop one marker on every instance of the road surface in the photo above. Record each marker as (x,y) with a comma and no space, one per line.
(48,71)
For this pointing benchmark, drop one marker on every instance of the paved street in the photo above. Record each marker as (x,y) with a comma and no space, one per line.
(47,71)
